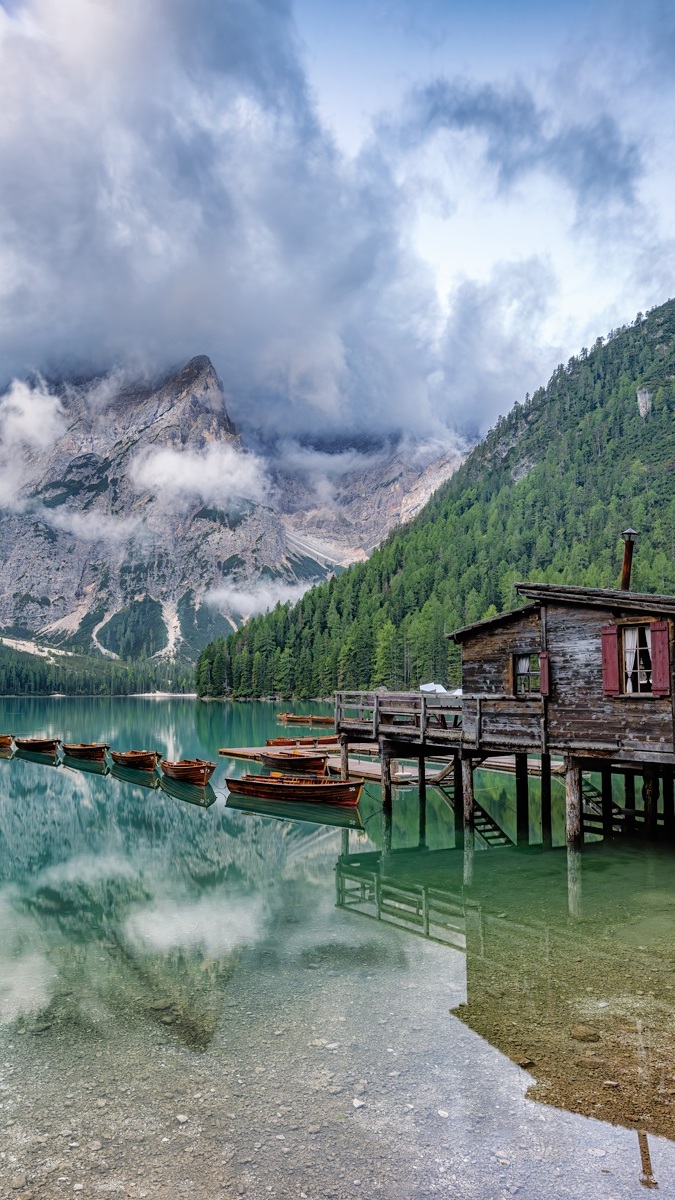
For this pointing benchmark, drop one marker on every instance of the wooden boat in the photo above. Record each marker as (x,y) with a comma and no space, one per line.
(91,751)
(295,760)
(38,745)
(298,789)
(341,817)
(328,740)
(306,719)
(203,796)
(136,760)
(5,741)
(146,779)
(189,770)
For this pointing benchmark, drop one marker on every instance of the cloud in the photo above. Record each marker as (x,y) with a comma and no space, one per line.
(248,602)
(30,420)
(220,475)
(92,526)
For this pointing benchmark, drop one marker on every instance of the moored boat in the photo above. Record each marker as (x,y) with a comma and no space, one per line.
(295,760)
(136,760)
(38,745)
(189,770)
(90,751)
(298,789)
(5,741)
(304,719)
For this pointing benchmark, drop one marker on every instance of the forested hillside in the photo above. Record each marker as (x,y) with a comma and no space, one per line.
(79,675)
(544,497)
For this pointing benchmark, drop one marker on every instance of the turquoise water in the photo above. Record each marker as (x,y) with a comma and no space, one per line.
(213,1003)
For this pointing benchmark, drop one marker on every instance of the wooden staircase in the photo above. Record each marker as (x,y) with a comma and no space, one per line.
(593,821)
(484,825)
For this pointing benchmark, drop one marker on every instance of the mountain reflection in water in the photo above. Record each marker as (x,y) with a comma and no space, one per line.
(322,1004)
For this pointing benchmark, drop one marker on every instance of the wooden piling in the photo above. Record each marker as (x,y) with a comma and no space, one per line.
(650,795)
(573,828)
(467,793)
(422,783)
(574,881)
(385,754)
(344,756)
(522,801)
(546,825)
(607,801)
(468,856)
(458,803)
(668,804)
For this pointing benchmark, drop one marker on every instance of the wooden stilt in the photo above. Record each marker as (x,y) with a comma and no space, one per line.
(607,800)
(546,826)
(422,836)
(573,831)
(522,801)
(385,755)
(344,756)
(573,881)
(629,802)
(467,793)
(345,843)
(458,802)
(467,865)
(668,804)
(386,833)
(650,795)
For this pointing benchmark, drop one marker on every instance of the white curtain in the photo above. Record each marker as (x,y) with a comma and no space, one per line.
(522,664)
(630,641)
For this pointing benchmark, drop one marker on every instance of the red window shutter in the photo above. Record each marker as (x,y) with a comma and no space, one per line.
(660,658)
(610,660)
(543,672)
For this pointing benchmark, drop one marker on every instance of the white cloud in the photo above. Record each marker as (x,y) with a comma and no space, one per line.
(259,598)
(30,420)
(92,526)
(220,475)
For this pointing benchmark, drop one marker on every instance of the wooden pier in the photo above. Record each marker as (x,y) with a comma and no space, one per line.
(581,678)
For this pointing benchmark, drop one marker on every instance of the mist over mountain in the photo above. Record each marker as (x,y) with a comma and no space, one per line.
(135,520)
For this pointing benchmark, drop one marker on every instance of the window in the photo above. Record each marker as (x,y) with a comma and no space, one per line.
(527,674)
(637,658)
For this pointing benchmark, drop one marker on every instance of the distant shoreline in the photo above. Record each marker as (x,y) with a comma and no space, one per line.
(98,696)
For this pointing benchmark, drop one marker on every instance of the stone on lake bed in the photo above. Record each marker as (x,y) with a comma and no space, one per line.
(358,1103)
(40,1027)
(584,1033)
(161,1005)
(19,1181)
(181,1118)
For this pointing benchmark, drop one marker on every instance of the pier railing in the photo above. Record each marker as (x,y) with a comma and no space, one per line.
(486,721)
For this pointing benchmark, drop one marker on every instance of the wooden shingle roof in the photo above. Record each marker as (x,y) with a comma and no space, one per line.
(547,593)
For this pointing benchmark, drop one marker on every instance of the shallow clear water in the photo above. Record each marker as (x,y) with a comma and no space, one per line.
(208,1002)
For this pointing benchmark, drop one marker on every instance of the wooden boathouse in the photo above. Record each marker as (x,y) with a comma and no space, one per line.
(583,675)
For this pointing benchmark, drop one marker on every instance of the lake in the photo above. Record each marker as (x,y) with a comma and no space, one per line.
(210,1002)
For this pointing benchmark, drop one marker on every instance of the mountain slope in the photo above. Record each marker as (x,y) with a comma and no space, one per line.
(544,496)
(133,523)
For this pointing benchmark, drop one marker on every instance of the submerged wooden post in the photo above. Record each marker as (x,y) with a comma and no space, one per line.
(422,785)
(345,843)
(385,754)
(629,802)
(522,801)
(607,801)
(650,795)
(457,800)
(467,865)
(574,881)
(573,831)
(386,834)
(668,801)
(467,793)
(546,825)
(344,756)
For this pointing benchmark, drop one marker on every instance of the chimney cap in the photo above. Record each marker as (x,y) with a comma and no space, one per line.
(629,535)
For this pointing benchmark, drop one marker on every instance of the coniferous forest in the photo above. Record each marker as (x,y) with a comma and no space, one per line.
(80,675)
(544,497)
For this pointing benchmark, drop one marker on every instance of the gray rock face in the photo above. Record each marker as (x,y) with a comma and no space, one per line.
(143,502)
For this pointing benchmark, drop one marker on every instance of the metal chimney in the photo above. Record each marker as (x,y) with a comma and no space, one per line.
(629,536)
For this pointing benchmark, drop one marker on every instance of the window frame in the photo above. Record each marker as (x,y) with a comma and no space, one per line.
(530,693)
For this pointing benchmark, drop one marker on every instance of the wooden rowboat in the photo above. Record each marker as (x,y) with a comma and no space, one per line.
(5,741)
(295,760)
(297,789)
(91,751)
(328,740)
(38,745)
(189,770)
(136,760)
(306,719)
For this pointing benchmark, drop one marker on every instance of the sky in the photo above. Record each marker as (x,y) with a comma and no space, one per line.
(377,218)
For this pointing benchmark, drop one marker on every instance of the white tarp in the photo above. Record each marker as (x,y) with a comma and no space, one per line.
(432,687)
